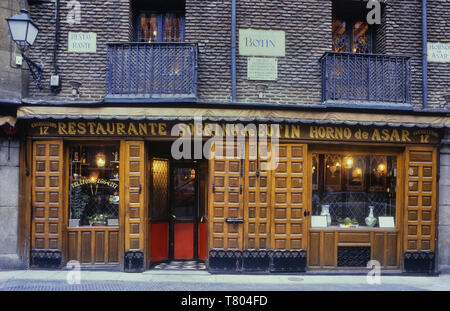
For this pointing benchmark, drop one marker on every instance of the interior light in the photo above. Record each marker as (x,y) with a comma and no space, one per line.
(348,162)
(100,158)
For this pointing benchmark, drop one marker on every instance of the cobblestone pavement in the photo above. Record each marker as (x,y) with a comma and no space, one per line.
(38,280)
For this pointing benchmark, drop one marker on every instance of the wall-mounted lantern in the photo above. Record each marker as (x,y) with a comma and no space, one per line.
(24,32)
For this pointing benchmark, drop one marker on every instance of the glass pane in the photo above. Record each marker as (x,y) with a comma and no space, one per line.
(160,181)
(149,28)
(361,38)
(94,186)
(339,36)
(173,26)
(184,192)
(353,190)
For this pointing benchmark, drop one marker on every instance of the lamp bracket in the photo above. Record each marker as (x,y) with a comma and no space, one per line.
(36,70)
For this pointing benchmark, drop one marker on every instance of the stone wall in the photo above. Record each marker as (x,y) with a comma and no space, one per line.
(444,206)
(9,202)
(10,74)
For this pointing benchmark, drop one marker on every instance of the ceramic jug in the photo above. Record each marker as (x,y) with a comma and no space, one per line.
(371,220)
(326,212)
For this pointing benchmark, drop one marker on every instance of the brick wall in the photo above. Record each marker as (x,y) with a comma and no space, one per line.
(308,35)
(307,26)
(209,24)
(439,73)
(108,18)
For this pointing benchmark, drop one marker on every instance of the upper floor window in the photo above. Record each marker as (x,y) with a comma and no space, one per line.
(161,27)
(350,31)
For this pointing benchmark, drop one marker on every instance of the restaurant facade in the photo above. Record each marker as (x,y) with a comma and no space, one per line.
(235,141)
(267,194)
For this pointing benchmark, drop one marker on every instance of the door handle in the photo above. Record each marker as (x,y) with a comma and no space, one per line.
(140,188)
(306,213)
(173,216)
(234,220)
(203,219)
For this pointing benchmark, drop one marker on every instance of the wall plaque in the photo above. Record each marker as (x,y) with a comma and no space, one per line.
(82,42)
(439,52)
(253,42)
(262,68)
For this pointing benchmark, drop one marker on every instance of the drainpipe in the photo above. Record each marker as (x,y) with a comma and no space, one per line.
(424,54)
(233,50)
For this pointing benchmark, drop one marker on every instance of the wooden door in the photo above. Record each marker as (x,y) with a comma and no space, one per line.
(258,185)
(420,199)
(226,197)
(47,195)
(288,229)
(135,189)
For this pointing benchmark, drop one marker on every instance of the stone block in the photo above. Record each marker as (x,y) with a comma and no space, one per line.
(9,186)
(8,229)
(444,247)
(13,151)
(444,214)
(10,262)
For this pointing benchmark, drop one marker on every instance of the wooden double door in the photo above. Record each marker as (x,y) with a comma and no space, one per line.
(257,196)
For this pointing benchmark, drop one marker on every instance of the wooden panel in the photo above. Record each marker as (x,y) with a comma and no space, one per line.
(323,243)
(135,188)
(354,237)
(288,196)
(420,199)
(314,249)
(99,246)
(257,196)
(328,251)
(93,245)
(391,249)
(72,246)
(225,196)
(113,247)
(378,248)
(86,247)
(47,195)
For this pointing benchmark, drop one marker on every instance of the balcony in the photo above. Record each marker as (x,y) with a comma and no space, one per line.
(151,72)
(366,79)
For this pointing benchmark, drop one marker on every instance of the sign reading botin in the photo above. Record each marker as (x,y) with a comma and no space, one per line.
(254,42)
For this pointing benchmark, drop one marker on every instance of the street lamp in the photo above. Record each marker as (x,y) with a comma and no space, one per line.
(24,32)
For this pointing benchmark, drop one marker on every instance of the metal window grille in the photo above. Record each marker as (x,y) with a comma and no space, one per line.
(366,77)
(152,69)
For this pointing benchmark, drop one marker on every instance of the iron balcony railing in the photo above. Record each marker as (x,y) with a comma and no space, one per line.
(152,70)
(366,78)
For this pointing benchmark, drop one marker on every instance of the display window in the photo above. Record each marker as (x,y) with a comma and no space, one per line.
(354,190)
(93,185)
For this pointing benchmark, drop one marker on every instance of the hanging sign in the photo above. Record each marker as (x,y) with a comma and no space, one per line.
(82,42)
(439,52)
(253,42)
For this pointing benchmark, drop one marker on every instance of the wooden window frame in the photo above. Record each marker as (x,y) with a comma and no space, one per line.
(161,27)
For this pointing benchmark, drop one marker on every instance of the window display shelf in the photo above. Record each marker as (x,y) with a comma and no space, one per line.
(359,229)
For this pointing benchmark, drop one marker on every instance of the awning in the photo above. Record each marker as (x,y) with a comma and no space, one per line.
(7,119)
(232,115)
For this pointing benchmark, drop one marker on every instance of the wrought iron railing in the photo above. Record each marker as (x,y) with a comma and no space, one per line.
(152,70)
(366,77)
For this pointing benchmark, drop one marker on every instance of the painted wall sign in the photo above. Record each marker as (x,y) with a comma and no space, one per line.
(82,42)
(262,68)
(253,42)
(439,52)
(208,129)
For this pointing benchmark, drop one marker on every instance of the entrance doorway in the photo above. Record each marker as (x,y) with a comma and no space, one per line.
(183,211)
(177,204)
